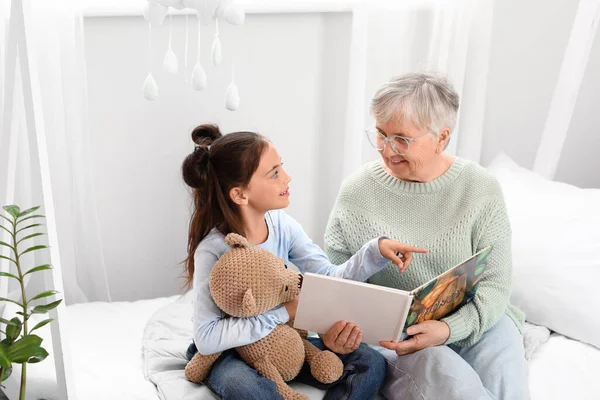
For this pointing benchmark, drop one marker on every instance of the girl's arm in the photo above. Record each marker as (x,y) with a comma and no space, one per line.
(309,257)
(213,330)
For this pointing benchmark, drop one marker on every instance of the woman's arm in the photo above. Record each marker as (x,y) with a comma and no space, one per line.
(466,326)
(472,320)
(213,330)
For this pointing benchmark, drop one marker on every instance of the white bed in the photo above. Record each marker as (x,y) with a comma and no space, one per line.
(563,368)
(136,350)
(106,341)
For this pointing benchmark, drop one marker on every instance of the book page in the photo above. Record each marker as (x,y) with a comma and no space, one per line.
(379,311)
(449,291)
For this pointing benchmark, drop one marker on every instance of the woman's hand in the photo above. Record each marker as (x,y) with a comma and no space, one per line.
(390,248)
(343,338)
(426,334)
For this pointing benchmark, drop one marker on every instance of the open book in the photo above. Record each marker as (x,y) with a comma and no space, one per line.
(383,313)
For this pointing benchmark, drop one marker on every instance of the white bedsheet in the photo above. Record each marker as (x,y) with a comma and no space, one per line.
(106,345)
(560,368)
(565,369)
(106,341)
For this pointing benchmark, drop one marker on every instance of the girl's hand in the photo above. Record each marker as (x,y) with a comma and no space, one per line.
(426,334)
(391,249)
(343,338)
(291,307)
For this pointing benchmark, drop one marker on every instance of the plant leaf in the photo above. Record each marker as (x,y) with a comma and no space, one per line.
(12,210)
(46,307)
(9,259)
(30,236)
(6,373)
(9,275)
(12,301)
(27,227)
(39,354)
(34,248)
(38,268)
(43,323)
(7,322)
(28,211)
(44,294)
(8,219)
(24,348)
(23,343)
(13,331)
(30,217)
(4,360)
(7,245)
(6,229)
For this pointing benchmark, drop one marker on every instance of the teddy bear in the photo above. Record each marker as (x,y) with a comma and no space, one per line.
(248,281)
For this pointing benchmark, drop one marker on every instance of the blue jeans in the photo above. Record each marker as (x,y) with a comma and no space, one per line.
(493,368)
(231,378)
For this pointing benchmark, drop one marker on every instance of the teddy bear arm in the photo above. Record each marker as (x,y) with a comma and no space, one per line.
(269,371)
(325,366)
(303,333)
(199,366)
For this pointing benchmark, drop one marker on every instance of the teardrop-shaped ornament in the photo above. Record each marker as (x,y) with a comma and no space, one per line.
(215,55)
(170,64)
(198,77)
(232,97)
(150,88)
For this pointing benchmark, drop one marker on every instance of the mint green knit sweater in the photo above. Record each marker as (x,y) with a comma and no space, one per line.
(452,216)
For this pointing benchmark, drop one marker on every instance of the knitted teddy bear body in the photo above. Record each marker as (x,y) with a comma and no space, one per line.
(248,281)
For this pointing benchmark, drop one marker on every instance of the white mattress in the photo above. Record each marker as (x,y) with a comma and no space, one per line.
(564,369)
(106,343)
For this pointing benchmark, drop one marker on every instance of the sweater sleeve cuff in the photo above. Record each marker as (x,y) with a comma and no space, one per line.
(281,314)
(380,260)
(458,329)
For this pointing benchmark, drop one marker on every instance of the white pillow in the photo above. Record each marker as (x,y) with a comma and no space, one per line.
(556,250)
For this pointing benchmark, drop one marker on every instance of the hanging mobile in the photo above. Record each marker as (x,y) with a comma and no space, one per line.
(216,47)
(150,87)
(185,54)
(198,74)
(232,97)
(170,63)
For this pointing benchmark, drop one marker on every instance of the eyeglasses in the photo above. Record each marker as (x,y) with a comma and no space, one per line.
(399,144)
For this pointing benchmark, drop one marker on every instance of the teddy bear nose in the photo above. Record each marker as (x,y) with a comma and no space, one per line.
(301,279)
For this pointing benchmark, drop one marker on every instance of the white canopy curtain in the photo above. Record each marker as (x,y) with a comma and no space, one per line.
(57,29)
(394,37)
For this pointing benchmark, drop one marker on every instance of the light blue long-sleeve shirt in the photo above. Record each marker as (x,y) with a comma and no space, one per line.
(214,333)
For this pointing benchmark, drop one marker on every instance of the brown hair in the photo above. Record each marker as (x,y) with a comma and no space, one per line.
(217,164)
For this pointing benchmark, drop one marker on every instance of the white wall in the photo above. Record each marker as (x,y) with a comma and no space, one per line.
(291,71)
(580,160)
(528,44)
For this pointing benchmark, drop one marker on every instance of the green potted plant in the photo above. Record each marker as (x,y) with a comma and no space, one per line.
(20,345)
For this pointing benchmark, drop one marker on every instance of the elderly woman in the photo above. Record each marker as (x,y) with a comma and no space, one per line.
(453,207)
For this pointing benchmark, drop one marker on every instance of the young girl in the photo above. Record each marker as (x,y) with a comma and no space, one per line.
(238,181)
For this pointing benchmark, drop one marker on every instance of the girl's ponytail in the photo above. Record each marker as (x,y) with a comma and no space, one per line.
(217,164)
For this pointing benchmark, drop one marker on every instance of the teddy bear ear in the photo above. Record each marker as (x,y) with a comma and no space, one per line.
(235,240)
(248,303)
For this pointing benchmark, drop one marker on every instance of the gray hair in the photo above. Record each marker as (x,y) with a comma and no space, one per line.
(427,100)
